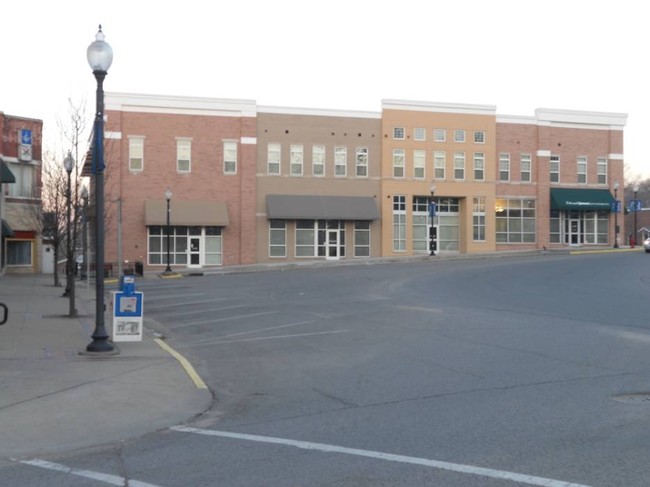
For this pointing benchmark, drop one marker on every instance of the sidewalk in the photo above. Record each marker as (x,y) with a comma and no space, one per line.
(53,399)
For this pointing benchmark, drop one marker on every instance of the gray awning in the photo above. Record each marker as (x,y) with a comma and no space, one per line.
(190,213)
(313,207)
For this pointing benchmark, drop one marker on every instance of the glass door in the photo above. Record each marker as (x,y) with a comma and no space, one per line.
(195,251)
(333,244)
(572,233)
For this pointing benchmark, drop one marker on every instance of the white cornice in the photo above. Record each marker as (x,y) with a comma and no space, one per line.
(185,105)
(436,107)
(516,119)
(318,112)
(565,118)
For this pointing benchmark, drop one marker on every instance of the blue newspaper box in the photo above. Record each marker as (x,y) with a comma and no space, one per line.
(127,285)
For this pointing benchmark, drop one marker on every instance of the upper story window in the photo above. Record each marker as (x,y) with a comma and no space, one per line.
(479,166)
(479,137)
(439,165)
(273,158)
(340,161)
(398,163)
(362,162)
(136,154)
(582,169)
(24,185)
(183,155)
(230,157)
(504,167)
(554,169)
(459,136)
(419,134)
(318,160)
(459,166)
(526,164)
(601,166)
(296,158)
(419,164)
(439,135)
(398,133)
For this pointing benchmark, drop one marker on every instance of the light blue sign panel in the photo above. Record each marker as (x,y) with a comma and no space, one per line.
(26,137)
(129,305)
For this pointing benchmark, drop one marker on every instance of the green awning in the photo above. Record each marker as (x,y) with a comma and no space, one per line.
(6,176)
(581,199)
(6,230)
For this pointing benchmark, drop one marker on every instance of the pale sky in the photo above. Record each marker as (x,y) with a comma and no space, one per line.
(517,55)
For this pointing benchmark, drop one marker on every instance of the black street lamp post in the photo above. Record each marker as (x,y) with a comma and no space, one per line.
(168,197)
(616,214)
(68,164)
(100,57)
(83,270)
(636,190)
(432,227)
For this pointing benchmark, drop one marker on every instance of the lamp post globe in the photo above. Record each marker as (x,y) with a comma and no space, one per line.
(100,58)
(100,53)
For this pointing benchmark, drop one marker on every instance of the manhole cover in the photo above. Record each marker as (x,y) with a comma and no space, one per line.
(637,398)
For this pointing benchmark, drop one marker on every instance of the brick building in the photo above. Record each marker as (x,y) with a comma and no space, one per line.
(266,184)
(20,194)
(203,151)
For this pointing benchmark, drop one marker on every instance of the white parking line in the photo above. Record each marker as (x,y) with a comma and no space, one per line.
(453,467)
(197,311)
(296,335)
(98,476)
(230,318)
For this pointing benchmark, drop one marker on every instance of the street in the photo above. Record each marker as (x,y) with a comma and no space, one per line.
(463,373)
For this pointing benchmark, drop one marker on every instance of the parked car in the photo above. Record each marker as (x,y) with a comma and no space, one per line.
(646,245)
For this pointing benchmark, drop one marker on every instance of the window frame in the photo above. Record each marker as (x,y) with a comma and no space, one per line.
(399,163)
(296,160)
(322,164)
(183,145)
(439,164)
(136,144)
(271,149)
(479,166)
(581,169)
(228,149)
(340,161)
(361,162)
(459,165)
(504,167)
(526,168)
(554,168)
(419,164)
(601,170)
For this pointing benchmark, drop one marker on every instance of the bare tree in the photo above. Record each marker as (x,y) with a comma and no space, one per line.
(61,193)
(53,214)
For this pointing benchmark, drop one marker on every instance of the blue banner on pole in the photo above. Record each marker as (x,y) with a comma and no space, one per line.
(432,209)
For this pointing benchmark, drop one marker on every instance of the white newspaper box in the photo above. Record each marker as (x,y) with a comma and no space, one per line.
(127,313)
